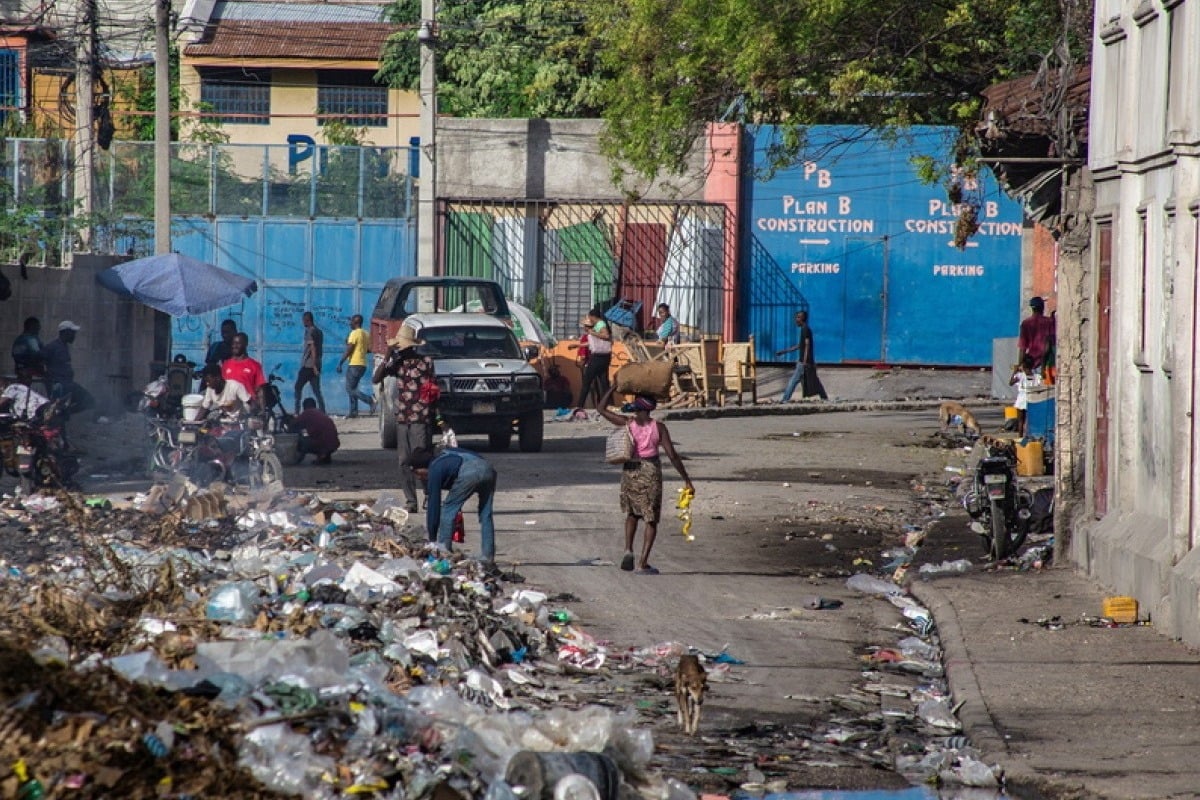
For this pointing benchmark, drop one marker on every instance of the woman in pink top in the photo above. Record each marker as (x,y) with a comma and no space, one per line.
(641,478)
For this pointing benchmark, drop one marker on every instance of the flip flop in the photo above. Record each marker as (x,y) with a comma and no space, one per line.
(647,570)
(627,562)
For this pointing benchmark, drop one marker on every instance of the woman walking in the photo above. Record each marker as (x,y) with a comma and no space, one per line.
(641,478)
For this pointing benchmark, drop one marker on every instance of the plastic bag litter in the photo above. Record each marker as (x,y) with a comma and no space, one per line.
(869,584)
(233,602)
(957,567)
(284,761)
(970,772)
(367,584)
(938,714)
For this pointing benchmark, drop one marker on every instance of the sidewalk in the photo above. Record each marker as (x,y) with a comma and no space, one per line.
(1078,712)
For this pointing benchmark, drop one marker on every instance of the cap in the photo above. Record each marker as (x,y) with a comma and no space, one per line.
(1037,303)
(405,337)
(67,325)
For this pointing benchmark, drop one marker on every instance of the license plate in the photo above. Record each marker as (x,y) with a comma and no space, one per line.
(996,492)
(990,479)
(187,437)
(22,450)
(483,408)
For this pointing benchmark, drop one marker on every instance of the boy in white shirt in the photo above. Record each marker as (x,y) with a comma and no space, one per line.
(1024,378)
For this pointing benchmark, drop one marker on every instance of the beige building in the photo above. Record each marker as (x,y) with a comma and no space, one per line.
(278,73)
(1138,525)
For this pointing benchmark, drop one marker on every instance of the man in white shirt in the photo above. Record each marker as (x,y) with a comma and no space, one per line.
(18,399)
(230,397)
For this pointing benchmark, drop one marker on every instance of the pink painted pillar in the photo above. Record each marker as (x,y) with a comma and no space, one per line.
(723,186)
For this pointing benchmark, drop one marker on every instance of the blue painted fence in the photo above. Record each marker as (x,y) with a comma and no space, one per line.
(870,249)
(331,267)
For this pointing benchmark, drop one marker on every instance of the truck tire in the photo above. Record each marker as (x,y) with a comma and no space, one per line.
(387,422)
(499,442)
(530,433)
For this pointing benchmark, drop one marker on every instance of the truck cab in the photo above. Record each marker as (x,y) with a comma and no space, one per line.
(402,297)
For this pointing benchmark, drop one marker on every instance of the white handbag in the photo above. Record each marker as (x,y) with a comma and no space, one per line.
(618,448)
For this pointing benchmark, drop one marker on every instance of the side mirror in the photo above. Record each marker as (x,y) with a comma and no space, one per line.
(531,351)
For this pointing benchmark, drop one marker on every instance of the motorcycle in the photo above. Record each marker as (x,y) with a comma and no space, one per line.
(278,419)
(212,449)
(1000,509)
(41,454)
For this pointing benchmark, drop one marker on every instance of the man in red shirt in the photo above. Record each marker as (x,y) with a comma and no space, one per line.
(1037,335)
(319,435)
(242,368)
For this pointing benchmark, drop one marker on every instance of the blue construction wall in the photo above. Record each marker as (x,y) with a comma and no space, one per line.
(331,267)
(871,249)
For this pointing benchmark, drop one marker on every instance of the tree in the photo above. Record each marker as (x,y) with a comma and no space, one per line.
(500,58)
(676,65)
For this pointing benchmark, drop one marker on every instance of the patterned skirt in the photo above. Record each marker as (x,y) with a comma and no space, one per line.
(641,489)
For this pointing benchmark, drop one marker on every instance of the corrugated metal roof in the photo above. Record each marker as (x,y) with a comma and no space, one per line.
(361,41)
(308,13)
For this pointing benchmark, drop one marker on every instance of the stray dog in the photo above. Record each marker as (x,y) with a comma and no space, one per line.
(690,685)
(952,414)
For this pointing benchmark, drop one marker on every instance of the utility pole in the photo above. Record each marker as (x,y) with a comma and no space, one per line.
(85,139)
(427,240)
(162,128)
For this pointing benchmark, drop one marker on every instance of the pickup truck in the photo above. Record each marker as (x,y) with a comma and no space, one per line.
(487,384)
(401,297)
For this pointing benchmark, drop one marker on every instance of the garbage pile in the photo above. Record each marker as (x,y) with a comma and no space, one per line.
(297,647)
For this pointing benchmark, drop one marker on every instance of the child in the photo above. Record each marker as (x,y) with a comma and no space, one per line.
(1024,378)
(641,478)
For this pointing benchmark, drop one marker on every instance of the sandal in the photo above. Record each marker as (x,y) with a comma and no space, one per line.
(627,562)
(647,570)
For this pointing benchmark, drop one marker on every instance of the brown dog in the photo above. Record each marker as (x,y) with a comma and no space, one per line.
(690,684)
(951,414)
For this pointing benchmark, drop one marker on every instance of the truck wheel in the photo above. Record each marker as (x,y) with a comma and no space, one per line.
(530,435)
(387,422)
(499,441)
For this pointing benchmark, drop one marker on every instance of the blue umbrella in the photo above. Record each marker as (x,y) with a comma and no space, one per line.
(179,285)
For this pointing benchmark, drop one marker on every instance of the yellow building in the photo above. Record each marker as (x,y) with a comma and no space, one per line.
(279,73)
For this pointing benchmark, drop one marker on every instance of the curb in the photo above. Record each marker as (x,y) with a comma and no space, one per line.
(815,407)
(978,724)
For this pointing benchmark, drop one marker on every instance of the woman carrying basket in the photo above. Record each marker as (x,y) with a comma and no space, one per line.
(641,478)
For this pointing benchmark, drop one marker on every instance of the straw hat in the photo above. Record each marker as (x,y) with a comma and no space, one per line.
(405,337)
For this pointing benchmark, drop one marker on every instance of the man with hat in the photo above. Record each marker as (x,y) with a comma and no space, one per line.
(1037,335)
(60,375)
(411,404)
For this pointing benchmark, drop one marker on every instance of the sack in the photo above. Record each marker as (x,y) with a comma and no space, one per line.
(619,446)
(646,377)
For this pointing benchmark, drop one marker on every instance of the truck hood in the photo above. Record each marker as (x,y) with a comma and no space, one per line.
(449,367)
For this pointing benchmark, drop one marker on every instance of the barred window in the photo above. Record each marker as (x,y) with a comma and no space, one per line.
(10,83)
(236,96)
(353,92)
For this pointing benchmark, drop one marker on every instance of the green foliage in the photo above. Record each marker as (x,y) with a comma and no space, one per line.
(676,65)
(501,58)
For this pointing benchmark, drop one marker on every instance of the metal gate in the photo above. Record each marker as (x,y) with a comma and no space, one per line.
(648,253)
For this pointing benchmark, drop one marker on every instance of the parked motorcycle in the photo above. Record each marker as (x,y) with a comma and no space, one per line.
(1000,509)
(278,418)
(41,454)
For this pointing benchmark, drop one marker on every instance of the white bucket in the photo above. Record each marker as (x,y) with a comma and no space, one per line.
(191,406)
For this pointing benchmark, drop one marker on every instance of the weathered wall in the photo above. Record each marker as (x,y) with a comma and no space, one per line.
(111,354)
(544,159)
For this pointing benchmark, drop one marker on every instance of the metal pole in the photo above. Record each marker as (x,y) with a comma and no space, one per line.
(162,128)
(84,105)
(427,245)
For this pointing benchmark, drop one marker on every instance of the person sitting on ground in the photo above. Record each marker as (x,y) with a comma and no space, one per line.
(558,388)
(318,433)
(18,399)
(228,396)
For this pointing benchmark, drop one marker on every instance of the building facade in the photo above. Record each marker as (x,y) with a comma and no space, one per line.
(1136,527)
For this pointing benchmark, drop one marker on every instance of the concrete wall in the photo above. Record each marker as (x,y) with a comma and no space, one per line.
(112,352)
(540,159)
(1145,159)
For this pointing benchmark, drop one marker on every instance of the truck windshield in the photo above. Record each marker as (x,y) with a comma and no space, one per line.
(470,342)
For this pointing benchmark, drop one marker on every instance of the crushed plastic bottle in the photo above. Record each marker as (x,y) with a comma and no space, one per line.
(869,584)
(957,567)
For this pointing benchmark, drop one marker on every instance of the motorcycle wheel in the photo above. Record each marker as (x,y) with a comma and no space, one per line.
(266,472)
(999,543)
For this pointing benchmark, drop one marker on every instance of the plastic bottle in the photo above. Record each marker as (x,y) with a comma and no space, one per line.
(561,617)
(27,788)
(460,529)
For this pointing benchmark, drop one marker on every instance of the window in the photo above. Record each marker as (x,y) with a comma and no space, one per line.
(10,83)
(354,93)
(236,96)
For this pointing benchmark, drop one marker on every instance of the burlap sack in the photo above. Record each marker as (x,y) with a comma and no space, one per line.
(645,377)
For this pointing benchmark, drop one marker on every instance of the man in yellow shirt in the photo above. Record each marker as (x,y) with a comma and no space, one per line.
(357,344)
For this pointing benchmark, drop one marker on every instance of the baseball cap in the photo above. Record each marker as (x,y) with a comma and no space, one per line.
(1037,303)
(67,325)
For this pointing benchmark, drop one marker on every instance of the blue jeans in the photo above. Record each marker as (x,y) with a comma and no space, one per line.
(475,476)
(353,376)
(796,379)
